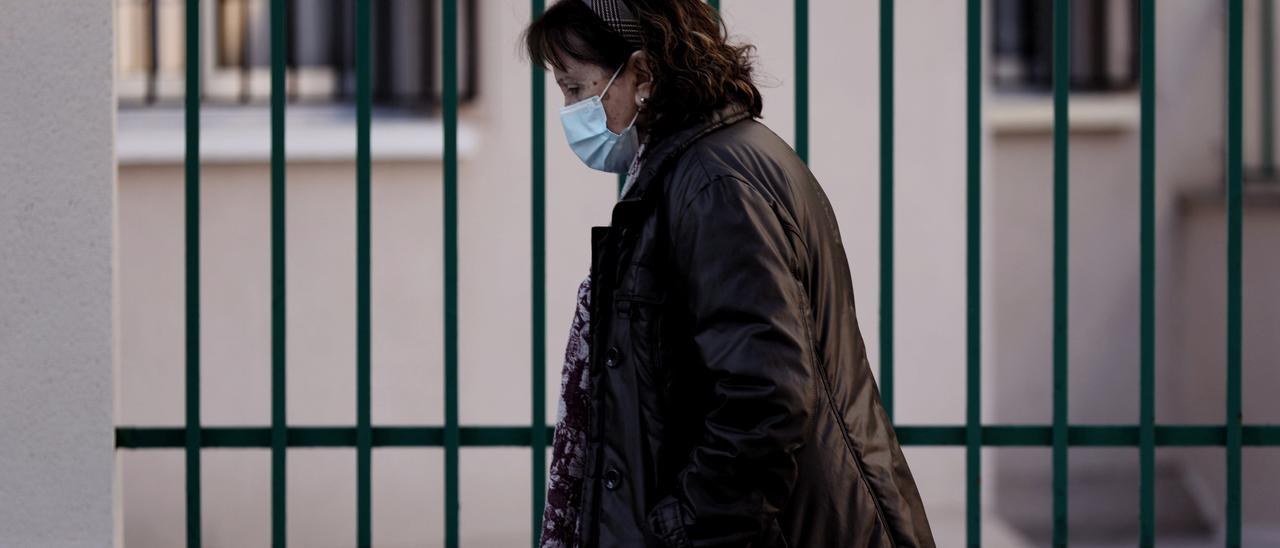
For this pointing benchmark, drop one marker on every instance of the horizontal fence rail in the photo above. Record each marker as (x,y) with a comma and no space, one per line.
(972,435)
(249,437)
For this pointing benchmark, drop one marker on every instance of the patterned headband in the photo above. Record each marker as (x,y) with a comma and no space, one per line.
(619,18)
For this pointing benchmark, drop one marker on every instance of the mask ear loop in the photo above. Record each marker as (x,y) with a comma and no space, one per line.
(611,79)
(606,90)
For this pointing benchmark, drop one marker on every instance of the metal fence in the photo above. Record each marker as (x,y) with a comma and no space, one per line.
(1146,435)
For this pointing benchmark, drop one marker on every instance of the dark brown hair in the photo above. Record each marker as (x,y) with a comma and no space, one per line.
(696,70)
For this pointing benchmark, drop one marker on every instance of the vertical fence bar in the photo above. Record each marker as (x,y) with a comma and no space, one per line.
(192,250)
(451,434)
(339,32)
(428,65)
(1147,411)
(802,78)
(153,57)
(246,51)
(364,428)
(383,86)
(973,376)
(886,205)
(1235,140)
(1267,73)
(1061,163)
(291,47)
(538,176)
(715,4)
(279,437)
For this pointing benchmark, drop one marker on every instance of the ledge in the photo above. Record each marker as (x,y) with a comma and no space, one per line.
(1257,193)
(1105,113)
(238,135)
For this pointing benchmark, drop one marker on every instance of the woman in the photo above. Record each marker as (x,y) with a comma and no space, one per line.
(716,390)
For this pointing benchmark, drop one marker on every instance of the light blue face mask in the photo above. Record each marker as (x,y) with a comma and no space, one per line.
(586,127)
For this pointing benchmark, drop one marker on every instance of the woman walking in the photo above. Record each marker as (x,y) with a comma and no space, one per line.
(716,389)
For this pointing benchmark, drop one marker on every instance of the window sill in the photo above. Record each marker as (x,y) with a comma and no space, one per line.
(238,135)
(1255,194)
(1103,113)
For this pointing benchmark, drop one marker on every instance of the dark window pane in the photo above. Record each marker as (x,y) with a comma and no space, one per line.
(320,57)
(1103,45)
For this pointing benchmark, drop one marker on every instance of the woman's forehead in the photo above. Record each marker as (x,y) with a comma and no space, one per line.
(574,69)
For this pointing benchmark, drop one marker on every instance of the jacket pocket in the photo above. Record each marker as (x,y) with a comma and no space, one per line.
(639,307)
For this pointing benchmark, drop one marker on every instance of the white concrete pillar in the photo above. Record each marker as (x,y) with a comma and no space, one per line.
(57,207)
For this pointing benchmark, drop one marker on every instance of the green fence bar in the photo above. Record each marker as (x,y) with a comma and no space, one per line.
(153,56)
(1088,436)
(364,427)
(886,205)
(973,280)
(1267,75)
(538,192)
(1147,377)
(1235,141)
(1061,164)
(191,161)
(279,472)
(249,437)
(715,4)
(451,442)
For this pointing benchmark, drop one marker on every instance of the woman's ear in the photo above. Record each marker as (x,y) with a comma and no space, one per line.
(643,77)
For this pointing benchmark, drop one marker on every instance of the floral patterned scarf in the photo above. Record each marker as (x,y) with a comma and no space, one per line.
(568,447)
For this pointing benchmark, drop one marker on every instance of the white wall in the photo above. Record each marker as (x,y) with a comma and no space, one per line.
(57,171)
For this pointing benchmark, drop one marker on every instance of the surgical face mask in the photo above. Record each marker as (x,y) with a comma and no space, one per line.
(586,127)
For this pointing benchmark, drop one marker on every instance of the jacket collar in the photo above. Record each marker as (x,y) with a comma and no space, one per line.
(661,157)
(663,153)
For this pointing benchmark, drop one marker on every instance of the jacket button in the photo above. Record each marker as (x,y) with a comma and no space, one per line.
(611,357)
(612,478)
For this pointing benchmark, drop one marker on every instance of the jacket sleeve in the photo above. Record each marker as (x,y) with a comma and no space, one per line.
(751,331)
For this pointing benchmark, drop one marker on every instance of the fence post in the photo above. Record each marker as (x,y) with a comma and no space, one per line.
(279,424)
(886,205)
(538,176)
(973,265)
(1061,168)
(1234,141)
(1147,410)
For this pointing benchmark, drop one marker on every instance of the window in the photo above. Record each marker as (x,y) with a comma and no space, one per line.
(1104,45)
(236,54)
